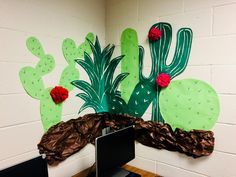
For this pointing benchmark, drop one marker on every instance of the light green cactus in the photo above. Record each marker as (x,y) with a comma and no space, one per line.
(189,104)
(130,62)
(31,78)
(146,91)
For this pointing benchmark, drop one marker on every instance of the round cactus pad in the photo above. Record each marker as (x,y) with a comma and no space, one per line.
(189,104)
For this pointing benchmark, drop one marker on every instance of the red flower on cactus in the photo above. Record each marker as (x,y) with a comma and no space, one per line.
(59,94)
(163,80)
(154,34)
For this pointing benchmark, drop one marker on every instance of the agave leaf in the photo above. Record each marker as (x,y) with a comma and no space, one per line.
(96,57)
(97,45)
(87,88)
(84,96)
(109,72)
(104,51)
(88,60)
(104,94)
(90,71)
(107,56)
(87,99)
(88,105)
(117,81)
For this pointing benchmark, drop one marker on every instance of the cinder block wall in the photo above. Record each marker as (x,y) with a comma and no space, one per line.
(213,59)
(51,22)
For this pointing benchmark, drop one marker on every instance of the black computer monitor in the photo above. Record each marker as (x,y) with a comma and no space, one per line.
(114,150)
(36,167)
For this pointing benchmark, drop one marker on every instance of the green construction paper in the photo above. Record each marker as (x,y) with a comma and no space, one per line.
(50,112)
(45,65)
(69,74)
(72,52)
(32,82)
(35,47)
(159,50)
(31,78)
(141,98)
(189,104)
(101,92)
(85,47)
(130,62)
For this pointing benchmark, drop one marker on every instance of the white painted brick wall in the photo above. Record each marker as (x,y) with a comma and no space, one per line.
(212,59)
(51,22)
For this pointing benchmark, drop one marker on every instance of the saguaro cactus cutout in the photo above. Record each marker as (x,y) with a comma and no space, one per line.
(130,62)
(146,91)
(101,93)
(31,78)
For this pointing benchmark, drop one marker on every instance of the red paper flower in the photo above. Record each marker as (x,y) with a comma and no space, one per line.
(163,80)
(154,34)
(59,94)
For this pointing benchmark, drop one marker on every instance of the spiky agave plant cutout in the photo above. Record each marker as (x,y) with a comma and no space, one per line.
(101,93)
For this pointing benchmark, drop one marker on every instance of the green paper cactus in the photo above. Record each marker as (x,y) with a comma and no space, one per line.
(130,62)
(31,78)
(189,104)
(101,93)
(146,91)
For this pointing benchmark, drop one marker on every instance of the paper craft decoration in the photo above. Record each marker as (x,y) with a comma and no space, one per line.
(189,104)
(130,62)
(146,91)
(71,139)
(31,78)
(185,105)
(101,93)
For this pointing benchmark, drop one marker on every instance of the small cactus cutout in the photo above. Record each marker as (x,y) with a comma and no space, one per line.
(189,104)
(31,78)
(130,62)
(147,91)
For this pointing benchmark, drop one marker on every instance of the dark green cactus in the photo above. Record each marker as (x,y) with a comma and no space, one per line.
(31,78)
(101,93)
(146,91)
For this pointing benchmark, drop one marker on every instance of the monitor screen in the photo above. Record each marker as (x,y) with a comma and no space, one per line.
(114,150)
(36,167)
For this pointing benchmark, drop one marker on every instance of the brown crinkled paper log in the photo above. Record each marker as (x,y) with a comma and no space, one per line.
(67,138)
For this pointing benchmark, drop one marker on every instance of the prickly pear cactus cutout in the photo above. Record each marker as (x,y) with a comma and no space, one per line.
(50,112)
(101,93)
(72,52)
(31,78)
(147,91)
(189,104)
(130,62)
(32,82)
